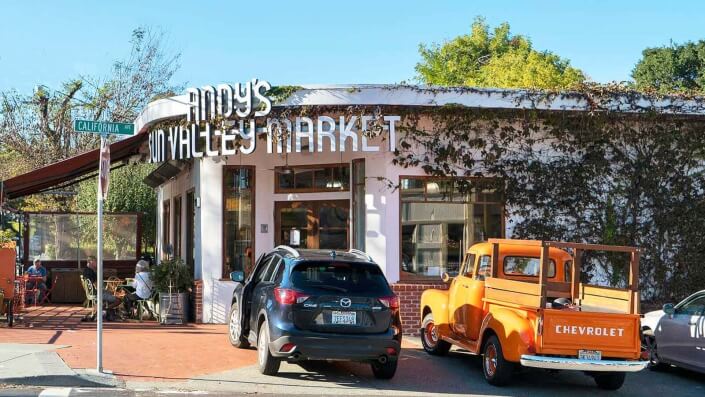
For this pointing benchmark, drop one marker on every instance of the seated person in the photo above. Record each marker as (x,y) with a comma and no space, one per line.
(39,282)
(142,284)
(89,272)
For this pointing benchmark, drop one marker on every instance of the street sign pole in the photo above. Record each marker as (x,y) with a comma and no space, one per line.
(103,128)
(99,254)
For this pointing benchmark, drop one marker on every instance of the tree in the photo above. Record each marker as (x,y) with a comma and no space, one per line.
(127,193)
(38,127)
(673,68)
(498,59)
(36,130)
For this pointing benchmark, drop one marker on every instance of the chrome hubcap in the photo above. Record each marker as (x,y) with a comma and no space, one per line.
(490,360)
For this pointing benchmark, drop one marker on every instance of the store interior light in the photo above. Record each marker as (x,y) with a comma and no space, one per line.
(432,188)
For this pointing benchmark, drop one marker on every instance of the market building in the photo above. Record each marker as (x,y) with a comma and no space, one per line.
(243,168)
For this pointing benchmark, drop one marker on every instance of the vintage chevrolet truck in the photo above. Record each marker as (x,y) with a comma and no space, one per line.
(521,302)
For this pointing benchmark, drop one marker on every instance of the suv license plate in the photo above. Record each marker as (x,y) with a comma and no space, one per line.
(595,355)
(345,318)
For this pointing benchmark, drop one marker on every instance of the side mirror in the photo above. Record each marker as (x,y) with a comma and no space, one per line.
(446,278)
(237,276)
(669,309)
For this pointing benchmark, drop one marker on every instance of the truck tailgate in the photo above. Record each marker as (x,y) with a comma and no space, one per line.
(565,332)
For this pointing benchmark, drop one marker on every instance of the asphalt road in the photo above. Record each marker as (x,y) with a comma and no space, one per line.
(419,374)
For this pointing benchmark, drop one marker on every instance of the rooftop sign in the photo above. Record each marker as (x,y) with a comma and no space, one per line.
(226,119)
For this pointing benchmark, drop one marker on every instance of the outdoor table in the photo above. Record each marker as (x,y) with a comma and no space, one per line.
(112,285)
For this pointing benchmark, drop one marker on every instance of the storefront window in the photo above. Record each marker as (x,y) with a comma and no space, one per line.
(312,178)
(441,218)
(238,219)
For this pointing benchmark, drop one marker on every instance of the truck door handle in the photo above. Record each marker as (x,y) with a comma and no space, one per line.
(465,286)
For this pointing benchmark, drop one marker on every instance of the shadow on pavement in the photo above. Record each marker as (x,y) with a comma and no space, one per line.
(55,381)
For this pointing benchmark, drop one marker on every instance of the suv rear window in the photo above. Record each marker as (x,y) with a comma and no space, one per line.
(364,278)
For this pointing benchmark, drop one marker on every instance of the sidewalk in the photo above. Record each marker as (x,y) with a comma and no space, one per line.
(52,347)
(52,339)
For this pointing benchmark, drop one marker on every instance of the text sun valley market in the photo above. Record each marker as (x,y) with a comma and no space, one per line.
(241,109)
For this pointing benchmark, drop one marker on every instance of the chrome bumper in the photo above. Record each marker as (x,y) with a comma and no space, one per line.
(550,362)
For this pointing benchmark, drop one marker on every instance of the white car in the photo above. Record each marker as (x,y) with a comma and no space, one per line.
(676,334)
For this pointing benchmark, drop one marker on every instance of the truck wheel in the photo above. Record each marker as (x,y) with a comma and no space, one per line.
(268,364)
(430,339)
(609,380)
(384,371)
(496,369)
(235,328)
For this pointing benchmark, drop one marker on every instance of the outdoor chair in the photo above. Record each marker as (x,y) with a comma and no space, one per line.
(32,293)
(89,289)
(147,305)
(49,290)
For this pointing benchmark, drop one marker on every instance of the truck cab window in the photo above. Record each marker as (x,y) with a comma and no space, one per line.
(484,268)
(469,265)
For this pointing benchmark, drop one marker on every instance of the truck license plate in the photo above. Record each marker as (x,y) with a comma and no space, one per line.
(590,355)
(344,318)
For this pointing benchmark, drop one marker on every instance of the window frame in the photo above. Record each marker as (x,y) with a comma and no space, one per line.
(178,207)
(166,227)
(407,277)
(464,269)
(253,188)
(313,188)
(680,308)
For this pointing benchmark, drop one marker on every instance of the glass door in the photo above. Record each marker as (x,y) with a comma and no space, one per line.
(313,224)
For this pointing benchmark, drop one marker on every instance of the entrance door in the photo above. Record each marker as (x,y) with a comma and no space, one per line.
(313,224)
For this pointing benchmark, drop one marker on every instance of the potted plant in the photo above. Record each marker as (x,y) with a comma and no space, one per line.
(173,281)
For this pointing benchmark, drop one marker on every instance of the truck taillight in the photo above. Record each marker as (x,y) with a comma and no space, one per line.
(391,302)
(287,296)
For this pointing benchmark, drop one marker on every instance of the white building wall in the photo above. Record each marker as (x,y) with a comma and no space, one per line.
(382,237)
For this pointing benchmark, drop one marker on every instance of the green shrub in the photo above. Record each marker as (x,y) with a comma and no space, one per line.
(172,272)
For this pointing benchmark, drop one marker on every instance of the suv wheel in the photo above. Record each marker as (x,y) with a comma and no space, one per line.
(609,380)
(235,329)
(268,365)
(384,371)
(496,369)
(430,340)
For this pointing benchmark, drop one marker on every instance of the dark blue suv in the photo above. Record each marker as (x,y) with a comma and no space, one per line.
(316,305)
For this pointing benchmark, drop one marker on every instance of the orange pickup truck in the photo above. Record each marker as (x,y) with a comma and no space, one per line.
(521,302)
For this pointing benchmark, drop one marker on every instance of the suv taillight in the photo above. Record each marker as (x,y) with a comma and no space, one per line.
(287,296)
(391,302)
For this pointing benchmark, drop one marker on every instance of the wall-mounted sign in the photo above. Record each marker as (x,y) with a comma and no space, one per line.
(225,120)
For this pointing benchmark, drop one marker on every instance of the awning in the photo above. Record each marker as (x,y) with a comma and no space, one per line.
(67,170)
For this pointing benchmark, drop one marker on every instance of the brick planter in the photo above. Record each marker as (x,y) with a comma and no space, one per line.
(410,297)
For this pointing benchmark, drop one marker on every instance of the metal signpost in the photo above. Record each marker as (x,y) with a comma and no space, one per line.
(102,128)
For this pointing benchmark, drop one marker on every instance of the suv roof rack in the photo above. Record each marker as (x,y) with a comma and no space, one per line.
(288,249)
(362,254)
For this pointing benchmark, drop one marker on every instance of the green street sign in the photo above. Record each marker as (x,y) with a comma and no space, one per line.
(103,127)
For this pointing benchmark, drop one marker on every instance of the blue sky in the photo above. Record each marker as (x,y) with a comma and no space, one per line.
(300,42)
